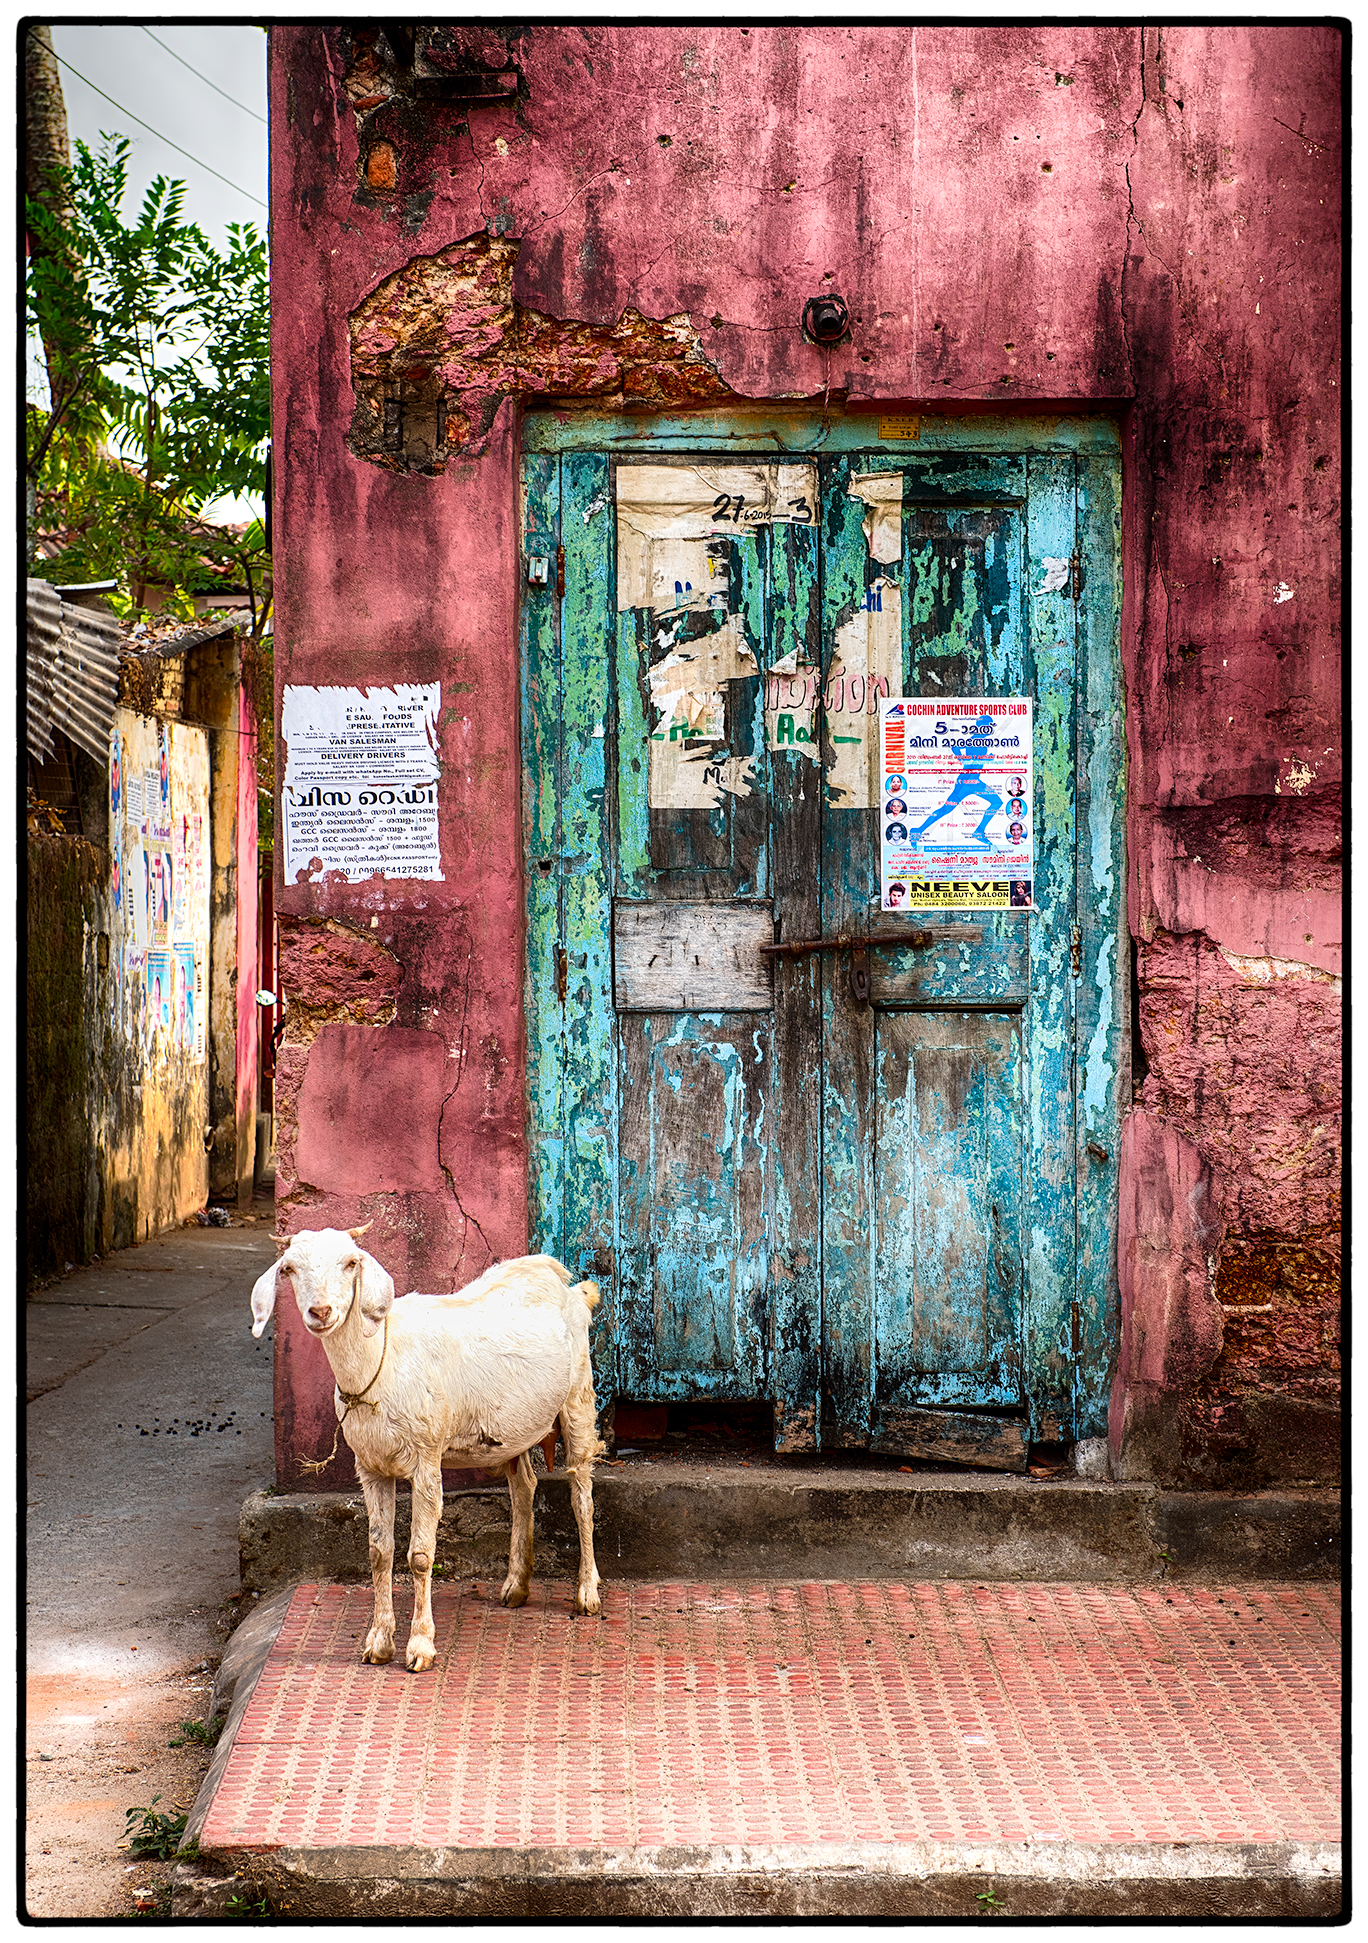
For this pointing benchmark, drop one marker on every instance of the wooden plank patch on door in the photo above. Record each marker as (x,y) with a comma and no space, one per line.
(670,957)
(954,1437)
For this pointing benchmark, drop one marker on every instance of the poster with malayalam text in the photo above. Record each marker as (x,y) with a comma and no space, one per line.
(361,775)
(955,809)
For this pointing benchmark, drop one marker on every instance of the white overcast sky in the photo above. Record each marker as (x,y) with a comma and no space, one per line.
(115,79)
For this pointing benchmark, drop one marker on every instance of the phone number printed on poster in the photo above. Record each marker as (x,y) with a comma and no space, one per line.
(361,775)
(955,805)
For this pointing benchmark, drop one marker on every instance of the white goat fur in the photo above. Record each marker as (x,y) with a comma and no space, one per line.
(478,1378)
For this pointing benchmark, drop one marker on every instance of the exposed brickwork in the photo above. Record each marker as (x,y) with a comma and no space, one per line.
(1250,1072)
(439,345)
(331,971)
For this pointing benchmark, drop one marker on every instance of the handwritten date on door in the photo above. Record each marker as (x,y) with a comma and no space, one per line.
(732,507)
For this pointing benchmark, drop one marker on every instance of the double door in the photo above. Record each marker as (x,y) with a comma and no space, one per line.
(875,1186)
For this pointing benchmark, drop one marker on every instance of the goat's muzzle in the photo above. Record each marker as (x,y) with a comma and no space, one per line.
(318,1320)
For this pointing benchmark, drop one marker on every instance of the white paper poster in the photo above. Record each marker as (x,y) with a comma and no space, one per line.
(361,777)
(955,810)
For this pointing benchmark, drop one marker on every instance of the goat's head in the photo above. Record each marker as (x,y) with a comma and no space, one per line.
(330,1272)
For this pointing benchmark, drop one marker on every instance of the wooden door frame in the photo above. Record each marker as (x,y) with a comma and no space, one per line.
(1070,1355)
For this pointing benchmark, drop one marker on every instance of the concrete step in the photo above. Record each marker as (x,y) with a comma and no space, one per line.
(720,1748)
(816,1519)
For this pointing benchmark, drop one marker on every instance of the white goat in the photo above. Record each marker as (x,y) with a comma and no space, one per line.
(478,1377)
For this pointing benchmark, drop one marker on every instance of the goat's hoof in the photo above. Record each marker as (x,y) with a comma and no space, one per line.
(514,1594)
(420,1655)
(588,1605)
(378,1650)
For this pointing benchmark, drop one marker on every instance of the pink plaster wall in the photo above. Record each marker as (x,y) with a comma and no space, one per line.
(1142,219)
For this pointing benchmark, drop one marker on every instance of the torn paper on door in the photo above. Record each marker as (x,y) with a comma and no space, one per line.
(674,524)
(792,699)
(688,691)
(866,668)
(882,494)
(689,774)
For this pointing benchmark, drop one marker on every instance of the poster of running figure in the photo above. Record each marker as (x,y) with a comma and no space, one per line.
(955,805)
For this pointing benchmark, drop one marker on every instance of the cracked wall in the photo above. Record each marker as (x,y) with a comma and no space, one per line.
(1144,221)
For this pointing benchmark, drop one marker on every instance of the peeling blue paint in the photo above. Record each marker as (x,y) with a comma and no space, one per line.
(959,1249)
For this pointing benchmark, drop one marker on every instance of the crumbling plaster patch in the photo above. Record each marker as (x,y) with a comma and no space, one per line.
(438,346)
(1250,1073)
(332,972)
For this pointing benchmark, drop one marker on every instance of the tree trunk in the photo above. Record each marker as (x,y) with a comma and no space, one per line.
(47,153)
(47,149)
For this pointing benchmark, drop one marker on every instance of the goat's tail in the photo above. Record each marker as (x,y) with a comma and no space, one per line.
(590,1292)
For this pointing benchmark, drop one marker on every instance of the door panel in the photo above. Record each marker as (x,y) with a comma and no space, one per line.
(712,1161)
(889,1217)
(696,1204)
(947,1190)
(926,1114)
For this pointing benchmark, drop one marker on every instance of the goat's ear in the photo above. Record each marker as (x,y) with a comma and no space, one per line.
(356,1233)
(376,1293)
(263,1300)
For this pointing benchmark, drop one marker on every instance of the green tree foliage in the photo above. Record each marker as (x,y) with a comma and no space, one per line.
(157,354)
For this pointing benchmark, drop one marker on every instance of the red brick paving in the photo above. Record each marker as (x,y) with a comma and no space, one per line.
(798,1713)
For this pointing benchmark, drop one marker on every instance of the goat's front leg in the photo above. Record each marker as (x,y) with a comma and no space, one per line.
(379,1495)
(522,1488)
(579,1430)
(427,1514)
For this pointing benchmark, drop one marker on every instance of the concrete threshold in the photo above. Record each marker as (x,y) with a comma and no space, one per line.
(837,1522)
(1219,1881)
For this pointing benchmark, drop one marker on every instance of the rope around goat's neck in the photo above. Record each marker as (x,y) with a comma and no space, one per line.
(351,1399)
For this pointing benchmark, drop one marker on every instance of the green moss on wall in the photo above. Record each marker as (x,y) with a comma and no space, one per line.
(66,878)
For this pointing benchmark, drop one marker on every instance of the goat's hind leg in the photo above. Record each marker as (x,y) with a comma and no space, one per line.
(522,1489)
(379,1496)
(579,1430)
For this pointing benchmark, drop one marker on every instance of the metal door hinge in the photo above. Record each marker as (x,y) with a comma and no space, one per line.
(1076,950)
(560,573)
(1076,1327)
(562,971)
(1076,573)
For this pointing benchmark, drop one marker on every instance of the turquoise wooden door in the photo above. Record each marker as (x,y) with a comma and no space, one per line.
(890,1212)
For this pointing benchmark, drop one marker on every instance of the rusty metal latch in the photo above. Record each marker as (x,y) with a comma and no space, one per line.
(859,948)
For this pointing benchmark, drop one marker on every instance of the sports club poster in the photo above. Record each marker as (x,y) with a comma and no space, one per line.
(955,805)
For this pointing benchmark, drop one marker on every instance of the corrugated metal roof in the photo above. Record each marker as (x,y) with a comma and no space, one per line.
(73,673)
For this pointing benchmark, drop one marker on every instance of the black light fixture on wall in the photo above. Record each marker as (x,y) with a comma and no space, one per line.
(826,320)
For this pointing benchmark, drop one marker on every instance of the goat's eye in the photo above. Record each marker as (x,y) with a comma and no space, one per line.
(351,1264)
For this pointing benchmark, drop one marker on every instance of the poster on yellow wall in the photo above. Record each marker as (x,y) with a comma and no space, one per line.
(160,993)
(185,1011)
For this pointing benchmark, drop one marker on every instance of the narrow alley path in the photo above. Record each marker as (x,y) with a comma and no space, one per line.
(149,1421)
